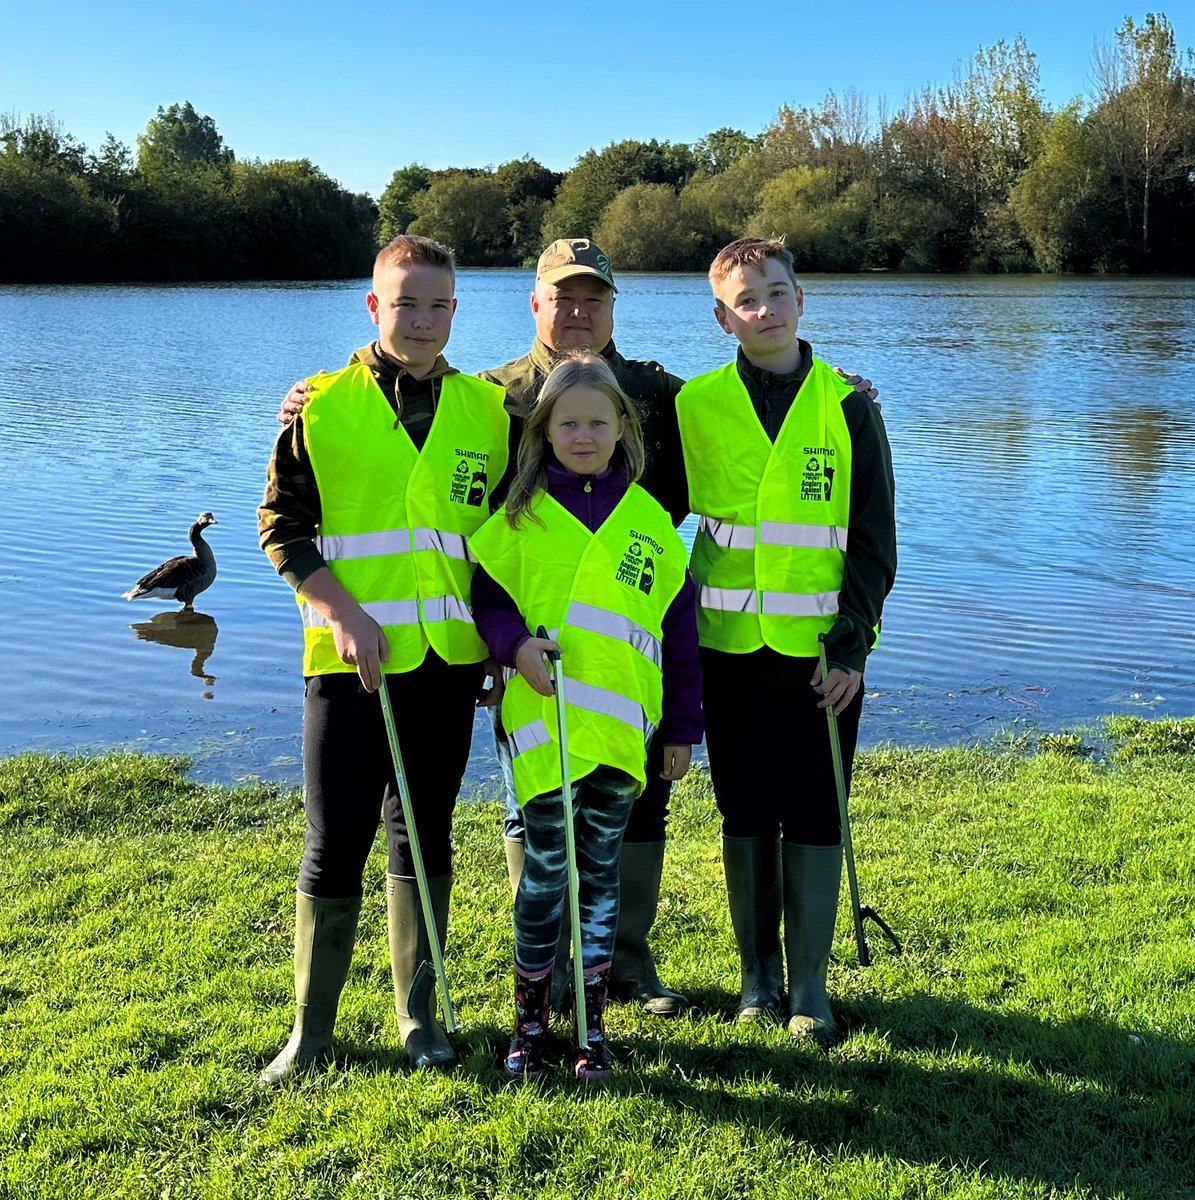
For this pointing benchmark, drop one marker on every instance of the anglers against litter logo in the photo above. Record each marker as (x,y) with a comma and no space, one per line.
(470,479)
(638,568)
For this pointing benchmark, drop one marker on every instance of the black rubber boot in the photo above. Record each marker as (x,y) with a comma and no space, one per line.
(812,877)
(423,1037)
(633,975)
(325,931)
(752,868)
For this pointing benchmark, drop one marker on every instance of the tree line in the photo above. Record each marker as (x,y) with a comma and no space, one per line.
(183,208)
(978,175)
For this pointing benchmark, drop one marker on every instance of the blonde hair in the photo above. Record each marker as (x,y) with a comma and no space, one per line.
(409,249)
(750,252)
(579,369)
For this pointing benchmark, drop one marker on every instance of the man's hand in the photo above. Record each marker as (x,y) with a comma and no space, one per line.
(856,381)
(293,401)
(491,696)
(676,762)
(837,689)
(529,659)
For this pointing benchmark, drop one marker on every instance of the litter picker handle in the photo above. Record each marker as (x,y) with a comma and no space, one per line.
(570,848)
(844,817)
(425,896)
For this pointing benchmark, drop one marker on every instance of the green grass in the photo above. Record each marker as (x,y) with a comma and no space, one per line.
(1036,1038)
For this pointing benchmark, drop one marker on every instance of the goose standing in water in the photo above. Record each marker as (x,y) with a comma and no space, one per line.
(184,577)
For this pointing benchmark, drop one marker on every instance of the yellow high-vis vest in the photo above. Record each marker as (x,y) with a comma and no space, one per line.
(770,549)
(395,521)
(603,597)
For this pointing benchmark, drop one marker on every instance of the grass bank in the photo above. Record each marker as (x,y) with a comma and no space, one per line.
(1036,1038)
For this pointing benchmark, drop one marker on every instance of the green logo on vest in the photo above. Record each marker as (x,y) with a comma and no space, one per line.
(638,568)
(818,481)
(469,480)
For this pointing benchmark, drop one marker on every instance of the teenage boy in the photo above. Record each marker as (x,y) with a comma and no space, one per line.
(791,475)
(371,495)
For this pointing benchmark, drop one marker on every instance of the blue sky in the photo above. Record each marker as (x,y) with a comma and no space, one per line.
(362,89)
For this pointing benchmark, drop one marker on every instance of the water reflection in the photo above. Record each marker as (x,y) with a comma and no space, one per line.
(188,630)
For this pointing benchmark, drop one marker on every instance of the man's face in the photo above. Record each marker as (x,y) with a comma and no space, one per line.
(412,306)
(761,307)
(574,314)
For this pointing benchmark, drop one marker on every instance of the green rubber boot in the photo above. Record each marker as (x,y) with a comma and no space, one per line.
(812,877)
(633,975)
(752,867)
(325,931)
(423,1037)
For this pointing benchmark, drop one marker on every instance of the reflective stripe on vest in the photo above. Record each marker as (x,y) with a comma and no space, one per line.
(769,554)
(773,533)
(747,600)
(392,541)
(385,612)
(616,625)
(395,521)
(603,596)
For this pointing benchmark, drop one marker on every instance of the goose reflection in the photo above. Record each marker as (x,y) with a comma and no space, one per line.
(187,629)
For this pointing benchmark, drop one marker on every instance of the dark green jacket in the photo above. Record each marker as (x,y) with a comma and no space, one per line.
(653,392)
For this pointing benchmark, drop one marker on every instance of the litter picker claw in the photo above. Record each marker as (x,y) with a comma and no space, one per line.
(860,912)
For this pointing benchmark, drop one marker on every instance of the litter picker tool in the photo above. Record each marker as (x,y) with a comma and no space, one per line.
(426,973)
(860,912)
(570,848)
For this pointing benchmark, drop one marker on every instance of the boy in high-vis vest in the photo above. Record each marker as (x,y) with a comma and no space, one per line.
(371,496)
(790,474)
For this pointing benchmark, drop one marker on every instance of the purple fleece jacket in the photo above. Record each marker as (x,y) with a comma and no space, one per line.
(503,629)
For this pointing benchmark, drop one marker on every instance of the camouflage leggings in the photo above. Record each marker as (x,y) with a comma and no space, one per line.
(601,805)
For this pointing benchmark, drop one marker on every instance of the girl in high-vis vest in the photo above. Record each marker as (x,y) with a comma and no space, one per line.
(582,550)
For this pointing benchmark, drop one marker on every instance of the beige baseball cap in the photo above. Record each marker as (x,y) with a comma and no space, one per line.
(568,257)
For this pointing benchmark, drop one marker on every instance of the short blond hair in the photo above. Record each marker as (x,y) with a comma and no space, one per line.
(408,249)
(751,252)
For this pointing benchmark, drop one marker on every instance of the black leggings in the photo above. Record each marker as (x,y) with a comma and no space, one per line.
(769,747)
(348,777)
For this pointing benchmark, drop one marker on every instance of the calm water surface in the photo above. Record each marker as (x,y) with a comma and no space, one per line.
(1042,431)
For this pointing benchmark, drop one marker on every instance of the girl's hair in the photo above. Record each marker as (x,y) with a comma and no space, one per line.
(579,369)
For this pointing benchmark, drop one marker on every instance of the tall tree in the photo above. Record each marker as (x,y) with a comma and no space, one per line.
(644,229)
(599,175)
(1145,117)
(721,149)
(396,208)
(466,212)
(179,139)
(1059,199)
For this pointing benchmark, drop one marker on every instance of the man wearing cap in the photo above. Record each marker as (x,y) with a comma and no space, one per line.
(573,309)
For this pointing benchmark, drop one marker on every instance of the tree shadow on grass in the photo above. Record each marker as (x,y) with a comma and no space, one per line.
(1058,1103)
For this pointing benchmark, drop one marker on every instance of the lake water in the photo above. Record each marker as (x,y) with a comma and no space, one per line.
(1042,432)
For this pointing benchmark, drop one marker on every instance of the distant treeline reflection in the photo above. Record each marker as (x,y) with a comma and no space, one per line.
(979,175)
